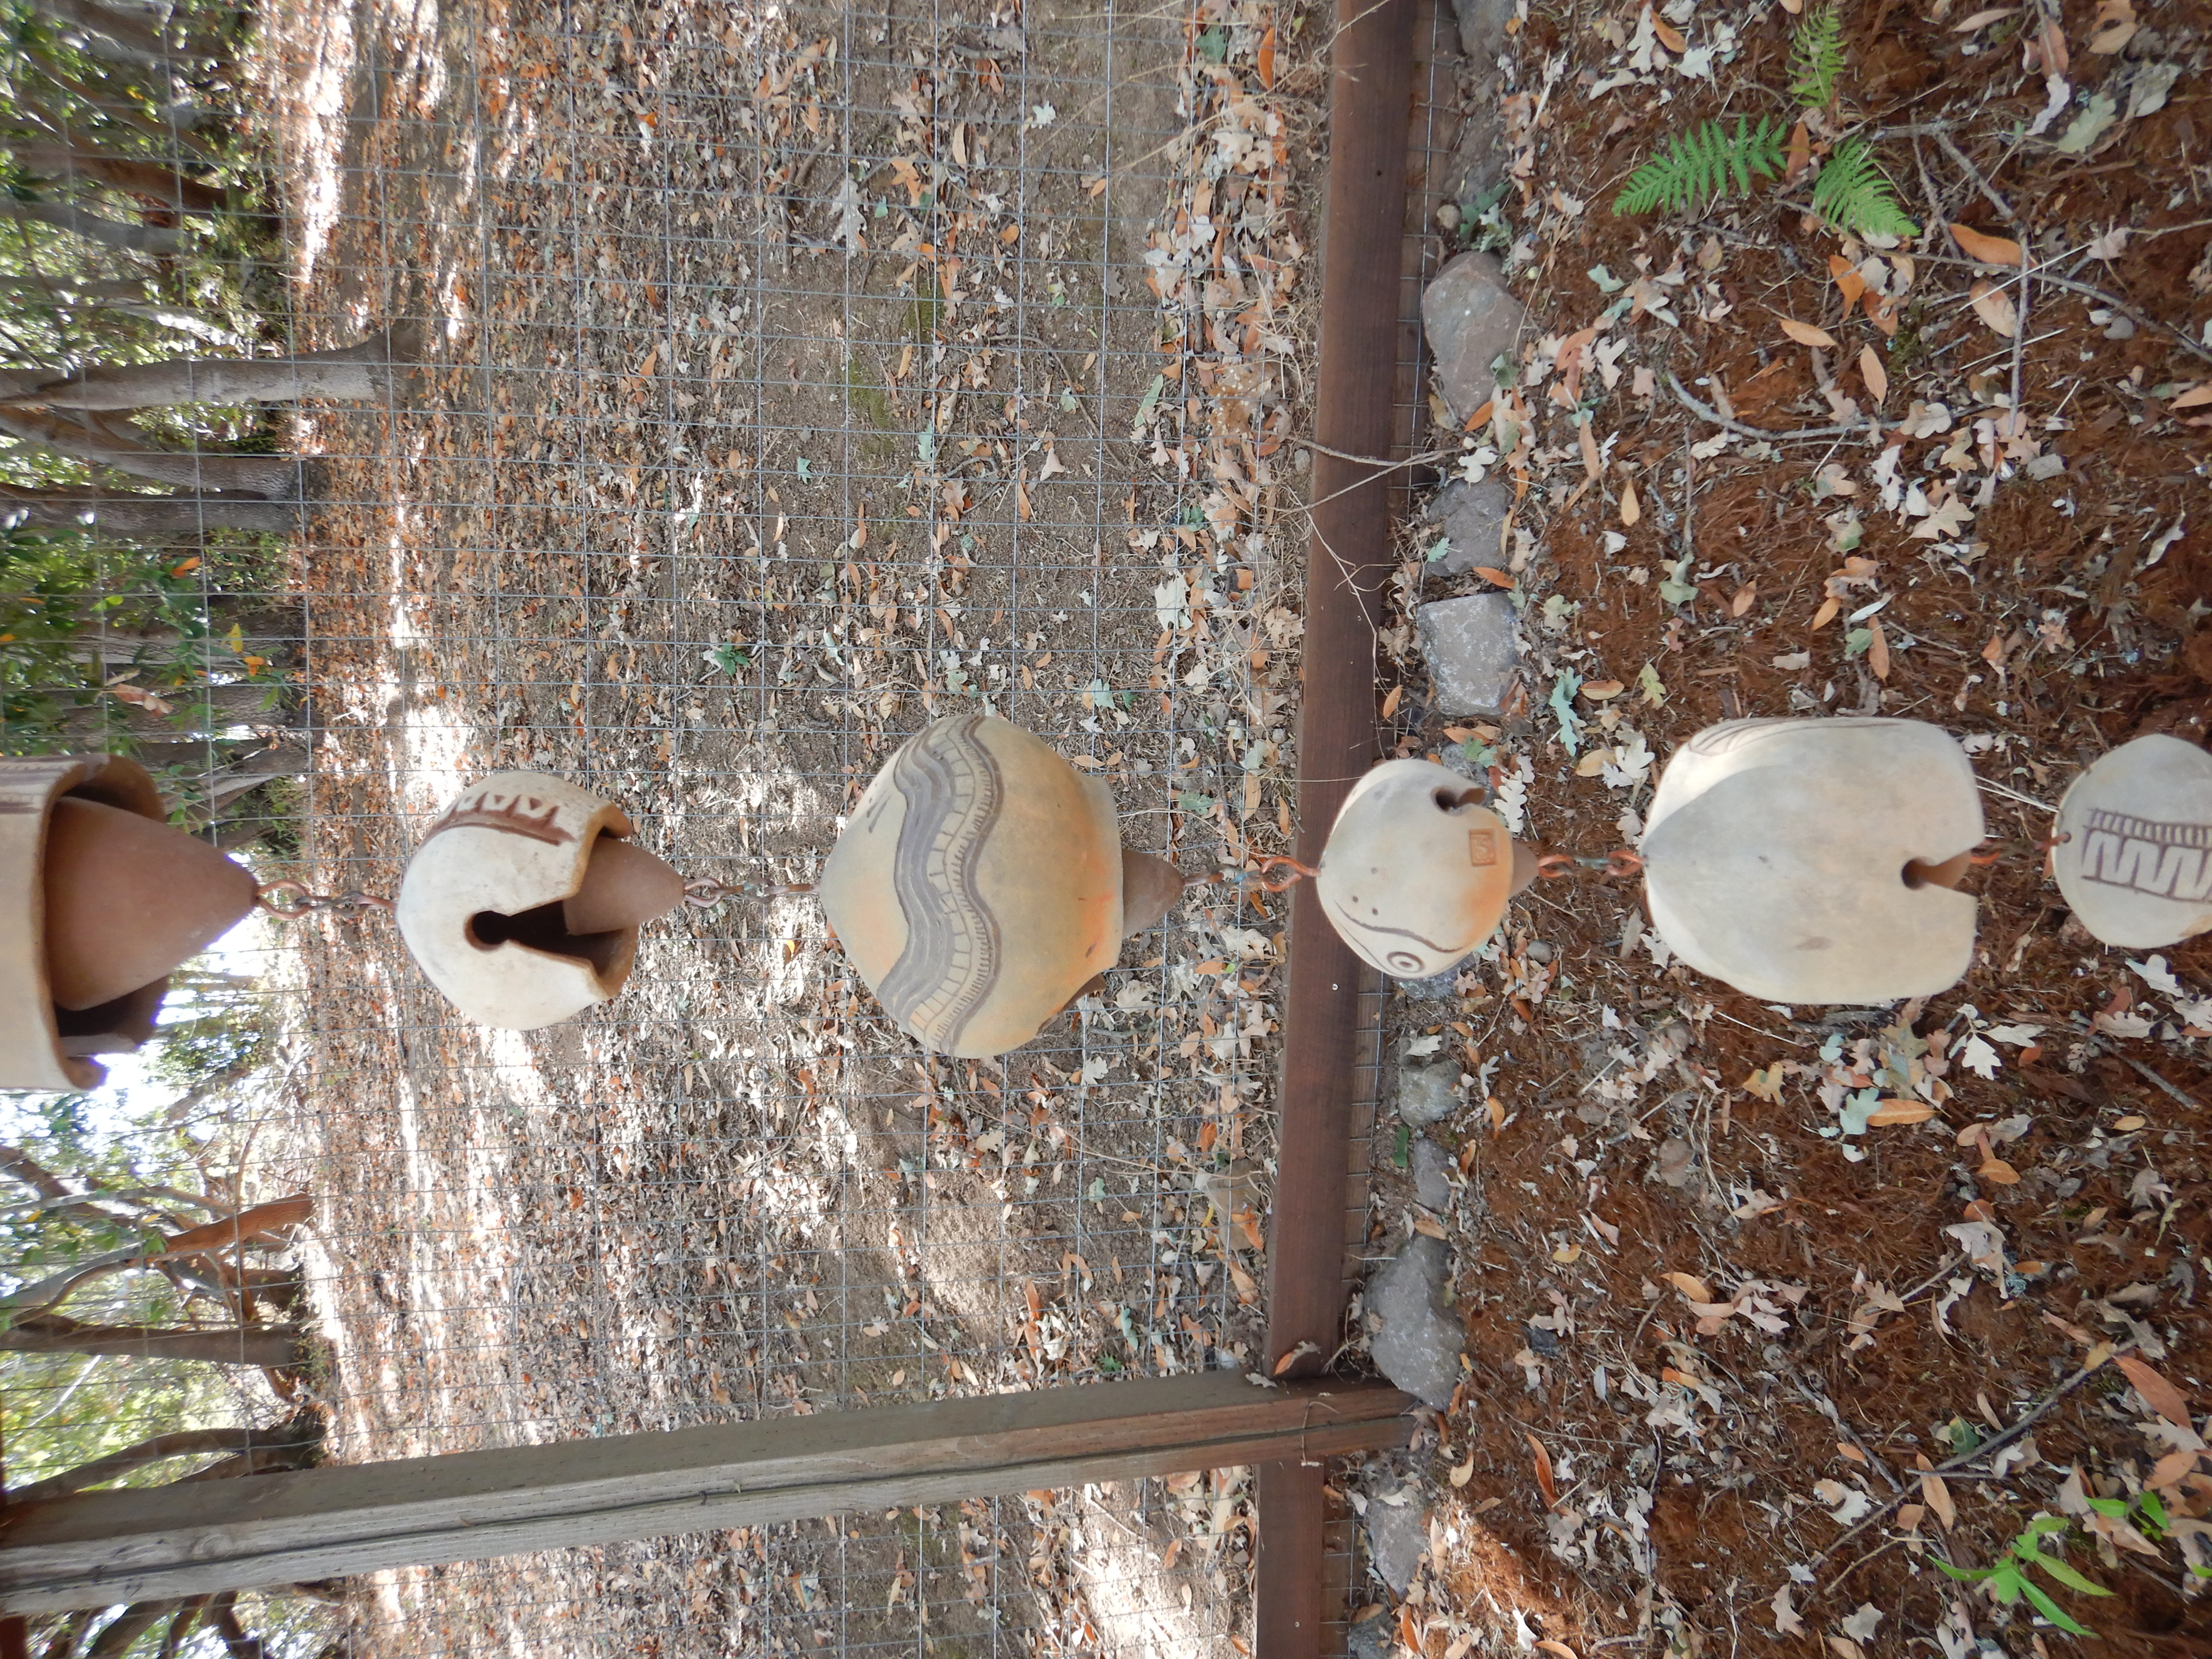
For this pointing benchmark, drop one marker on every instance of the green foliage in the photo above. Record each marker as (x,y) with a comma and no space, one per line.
(1708,164)
(1816,57)
(1851,193)
(2008,1577)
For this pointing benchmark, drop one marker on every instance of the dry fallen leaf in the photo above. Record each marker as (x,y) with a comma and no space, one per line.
(1543,1470)
(1495,577)
(2160,1395)
(1805,334)
(1745,598)
(1630,510)
(1464,1472)
(1878,649)
(1694,1288)
(1847,278)
(1900,1111)
(1995,307)
(1557,1649)
(1937,1494)
(1669,36)
(2200,393)
(1990,250)
(1390,702)
(1876,376)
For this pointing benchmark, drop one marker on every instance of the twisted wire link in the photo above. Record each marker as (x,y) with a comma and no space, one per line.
(1267,875)
(705,893)
(1621,861)
(292,900)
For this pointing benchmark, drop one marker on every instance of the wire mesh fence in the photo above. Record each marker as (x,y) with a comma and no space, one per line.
(738,390)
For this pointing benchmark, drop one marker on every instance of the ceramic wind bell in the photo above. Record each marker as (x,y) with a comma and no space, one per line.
(101,899)
(1812,860)
(523,902)
(2133,853)
(1417,872)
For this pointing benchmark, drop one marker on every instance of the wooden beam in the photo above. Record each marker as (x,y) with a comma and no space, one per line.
(1348,560)
(96,1549)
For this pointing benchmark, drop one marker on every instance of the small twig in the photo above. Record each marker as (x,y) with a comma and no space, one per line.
(2148,1075)
(1994,1443)
(1707,412)
(2141,318)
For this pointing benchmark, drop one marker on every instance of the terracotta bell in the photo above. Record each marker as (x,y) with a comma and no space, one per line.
(101,898)
(981,885)
(2135,862)
(523,902)
(1809,861)
(1416,870)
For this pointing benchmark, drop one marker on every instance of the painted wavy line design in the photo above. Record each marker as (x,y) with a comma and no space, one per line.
(953,792)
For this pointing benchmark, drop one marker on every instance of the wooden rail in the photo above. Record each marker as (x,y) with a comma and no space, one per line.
(1347,561)
(96,1549)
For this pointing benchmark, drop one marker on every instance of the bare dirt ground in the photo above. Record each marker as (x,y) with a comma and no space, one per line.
(795,376)
(1722,1321)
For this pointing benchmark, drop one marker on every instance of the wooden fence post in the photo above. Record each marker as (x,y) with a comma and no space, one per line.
(96,1549)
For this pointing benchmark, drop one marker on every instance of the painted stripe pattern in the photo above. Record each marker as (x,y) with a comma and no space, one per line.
(953,792)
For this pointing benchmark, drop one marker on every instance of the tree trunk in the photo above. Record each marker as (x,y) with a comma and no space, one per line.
(358,372)
(235,1640)
(129,1625)
(128,39)
(163,185)
(160,241)
(156,1448)
(146,517)
(206,706)
(269,476)
(236,1345)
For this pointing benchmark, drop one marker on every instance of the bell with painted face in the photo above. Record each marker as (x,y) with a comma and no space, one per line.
(981,885)
(523,902)
(1416,870)
(2134,857)
(103,899)
(1812,860)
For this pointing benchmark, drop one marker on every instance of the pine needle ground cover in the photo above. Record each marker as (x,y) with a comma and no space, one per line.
(1787,1324)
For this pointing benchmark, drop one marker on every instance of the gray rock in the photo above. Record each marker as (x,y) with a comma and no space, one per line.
(1470,319)
(1471,517)
(1482,29)
(1374,1636)
(1397,1539)
(1428,1090)
(1472,651)
(1433,1188)
(1417,1345)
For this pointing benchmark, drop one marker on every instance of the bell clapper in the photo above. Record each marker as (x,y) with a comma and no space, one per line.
(1266,875)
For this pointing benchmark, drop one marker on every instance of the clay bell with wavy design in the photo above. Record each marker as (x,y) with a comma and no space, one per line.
(2135,859)
(1812,860)
(523,902)
(1416,870)
(979,885)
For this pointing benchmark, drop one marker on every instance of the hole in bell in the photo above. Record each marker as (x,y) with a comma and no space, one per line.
(1921,872)
(1452,800)
(546,928)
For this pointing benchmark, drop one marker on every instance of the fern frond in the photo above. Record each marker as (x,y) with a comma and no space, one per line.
(1816,57)
(1853,194)
(1708,164)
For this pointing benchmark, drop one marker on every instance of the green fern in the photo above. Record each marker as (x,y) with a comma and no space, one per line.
(1709,164)
(1851,193)
(1816,57)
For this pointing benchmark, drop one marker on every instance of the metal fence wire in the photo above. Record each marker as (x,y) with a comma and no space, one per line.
(769,379)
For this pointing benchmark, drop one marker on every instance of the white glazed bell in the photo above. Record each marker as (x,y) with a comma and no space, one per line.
(2136,858)
(979,883)
(1777,851)
(1417,872)
(522,902)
